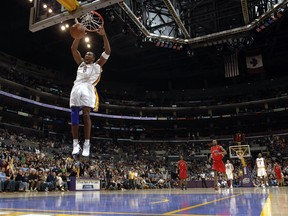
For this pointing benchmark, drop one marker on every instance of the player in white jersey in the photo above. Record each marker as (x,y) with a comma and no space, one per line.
(261,170)
(83,94)
(229,172)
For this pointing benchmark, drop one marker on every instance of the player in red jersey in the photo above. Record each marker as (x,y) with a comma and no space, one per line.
(182,166)
(217,154)
(278,173)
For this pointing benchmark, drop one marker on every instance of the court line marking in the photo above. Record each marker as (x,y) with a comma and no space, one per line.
(198,205)
(267,206)
(162,201)
(14,211)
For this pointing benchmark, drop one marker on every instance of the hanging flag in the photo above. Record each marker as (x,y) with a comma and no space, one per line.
(254,64)
(231,65)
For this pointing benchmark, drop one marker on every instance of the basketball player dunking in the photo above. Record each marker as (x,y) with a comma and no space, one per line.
(84,95)
(217,154)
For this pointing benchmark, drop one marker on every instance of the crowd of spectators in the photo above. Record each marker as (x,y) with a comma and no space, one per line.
(267,89)
(180,112)
(34,164)
(42,164)
(39,83)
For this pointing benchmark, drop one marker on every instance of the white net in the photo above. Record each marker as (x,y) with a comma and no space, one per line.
(91,21)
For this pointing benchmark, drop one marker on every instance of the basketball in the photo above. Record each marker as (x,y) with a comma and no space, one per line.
(77,31)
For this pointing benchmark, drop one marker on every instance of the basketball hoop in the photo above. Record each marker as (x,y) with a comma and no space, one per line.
(239,151)
(91,21)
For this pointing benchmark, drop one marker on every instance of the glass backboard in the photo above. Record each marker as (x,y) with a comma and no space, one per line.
(46,13)
(239,151)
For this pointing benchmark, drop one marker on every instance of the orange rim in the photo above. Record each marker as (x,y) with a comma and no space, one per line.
(100,21)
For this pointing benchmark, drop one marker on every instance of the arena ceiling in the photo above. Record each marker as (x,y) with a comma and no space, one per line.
(142,61)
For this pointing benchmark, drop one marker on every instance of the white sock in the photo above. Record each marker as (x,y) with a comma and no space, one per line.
(87,142)
(75,141)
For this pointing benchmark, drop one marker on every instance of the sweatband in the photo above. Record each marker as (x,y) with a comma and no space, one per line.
(75,115)
(105,56)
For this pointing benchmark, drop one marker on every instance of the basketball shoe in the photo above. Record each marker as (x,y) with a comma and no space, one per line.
(86,150)
(76,148)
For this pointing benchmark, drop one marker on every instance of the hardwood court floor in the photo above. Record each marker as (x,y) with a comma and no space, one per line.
(239,201)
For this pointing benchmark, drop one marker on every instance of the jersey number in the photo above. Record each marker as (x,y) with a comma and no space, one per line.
(84,69)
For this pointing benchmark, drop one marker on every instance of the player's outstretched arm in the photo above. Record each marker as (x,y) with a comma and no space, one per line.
(107,49)
(75,52)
